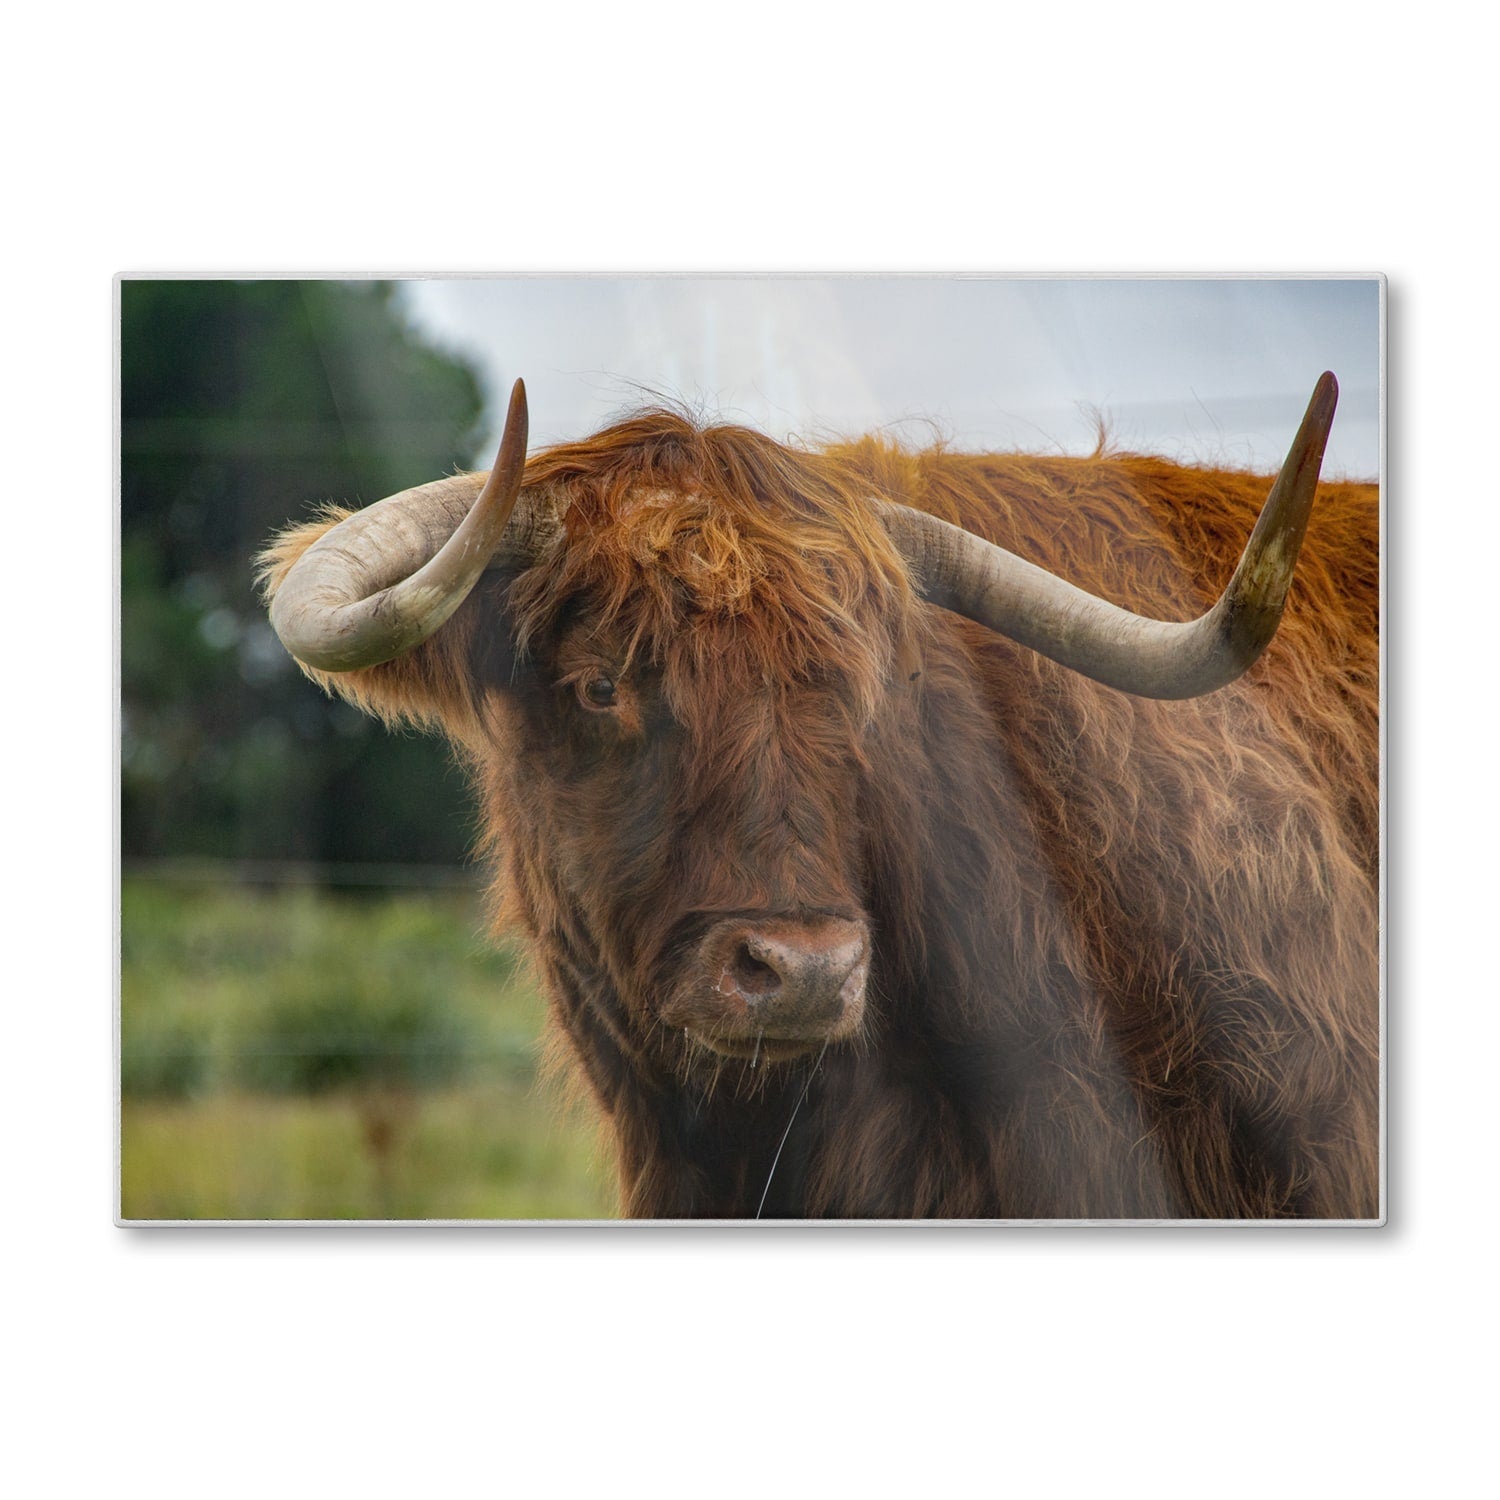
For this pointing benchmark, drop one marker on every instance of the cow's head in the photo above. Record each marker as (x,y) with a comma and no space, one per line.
(689,680)
(678,660)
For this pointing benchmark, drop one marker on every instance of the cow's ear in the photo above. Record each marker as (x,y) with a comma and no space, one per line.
(429,687)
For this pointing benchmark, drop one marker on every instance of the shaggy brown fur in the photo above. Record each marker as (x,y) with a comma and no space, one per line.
(1125,951)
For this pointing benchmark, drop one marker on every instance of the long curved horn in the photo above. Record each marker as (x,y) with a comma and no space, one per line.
(385,578)
(1152,658)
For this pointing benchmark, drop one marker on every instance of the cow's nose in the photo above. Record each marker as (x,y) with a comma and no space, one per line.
(795,977)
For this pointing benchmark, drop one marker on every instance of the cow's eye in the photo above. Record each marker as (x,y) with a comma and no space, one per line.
(597,692)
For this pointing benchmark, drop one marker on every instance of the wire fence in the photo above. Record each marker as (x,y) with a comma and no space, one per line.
(278,873)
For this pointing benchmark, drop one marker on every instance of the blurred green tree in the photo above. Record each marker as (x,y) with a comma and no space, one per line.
(242,405)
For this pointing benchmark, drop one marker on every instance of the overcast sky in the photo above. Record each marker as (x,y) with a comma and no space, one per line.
(1200,370)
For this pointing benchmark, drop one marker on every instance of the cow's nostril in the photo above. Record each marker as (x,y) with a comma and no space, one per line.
(756,979)
(773,980)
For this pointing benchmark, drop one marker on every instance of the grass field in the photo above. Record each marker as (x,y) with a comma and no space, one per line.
(298,1054)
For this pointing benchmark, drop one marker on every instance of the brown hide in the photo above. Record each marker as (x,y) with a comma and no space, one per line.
(1124,952)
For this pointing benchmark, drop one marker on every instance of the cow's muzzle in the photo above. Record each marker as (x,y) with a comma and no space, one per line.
(774,986)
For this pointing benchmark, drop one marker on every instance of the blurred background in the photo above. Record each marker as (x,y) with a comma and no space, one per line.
(313,1021)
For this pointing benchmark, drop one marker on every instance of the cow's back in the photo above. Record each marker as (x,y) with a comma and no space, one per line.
(1213,862)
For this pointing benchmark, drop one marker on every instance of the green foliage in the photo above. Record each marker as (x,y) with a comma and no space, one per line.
(326,1033)
(242,406)
(301,1054)
(166,1057)
(303,990)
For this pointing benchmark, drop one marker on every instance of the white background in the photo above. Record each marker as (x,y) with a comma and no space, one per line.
(1141,138)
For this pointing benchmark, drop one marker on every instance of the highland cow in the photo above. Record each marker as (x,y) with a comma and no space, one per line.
(873,865)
